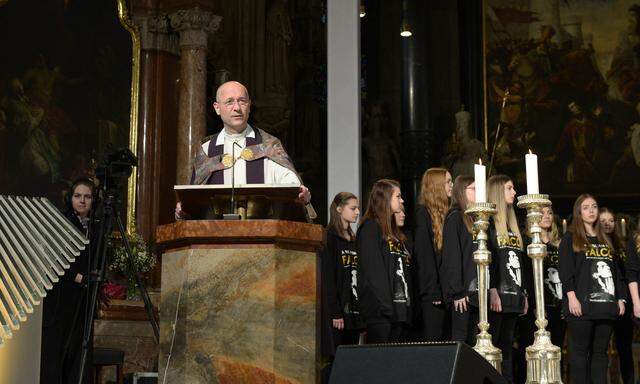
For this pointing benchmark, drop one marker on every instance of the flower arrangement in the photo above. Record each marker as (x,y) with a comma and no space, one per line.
(142,257)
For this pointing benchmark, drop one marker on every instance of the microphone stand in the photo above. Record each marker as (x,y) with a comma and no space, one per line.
(234,214)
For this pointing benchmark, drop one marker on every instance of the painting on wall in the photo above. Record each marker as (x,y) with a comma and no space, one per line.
(65,91)
(563,79)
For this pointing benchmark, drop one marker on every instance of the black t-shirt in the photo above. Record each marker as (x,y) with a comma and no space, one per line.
(594,276)
(551,277)
(459,271)
(506,271)
(401,289)
(340,276)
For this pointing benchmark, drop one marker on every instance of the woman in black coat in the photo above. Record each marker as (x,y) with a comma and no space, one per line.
(65,306)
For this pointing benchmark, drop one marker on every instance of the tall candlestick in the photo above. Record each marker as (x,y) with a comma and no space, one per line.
(531,162)
(543,358)
(481,212)
(623,228)
(480,173)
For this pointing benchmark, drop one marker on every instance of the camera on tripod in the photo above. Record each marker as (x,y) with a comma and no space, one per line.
(116,167)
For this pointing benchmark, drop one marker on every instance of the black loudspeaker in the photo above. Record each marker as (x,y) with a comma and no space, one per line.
(452,363)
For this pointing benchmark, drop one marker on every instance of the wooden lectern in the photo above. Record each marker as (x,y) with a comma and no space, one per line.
(238,298)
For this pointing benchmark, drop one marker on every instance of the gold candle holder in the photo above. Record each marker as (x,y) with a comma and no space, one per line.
(543,358)
(481,212)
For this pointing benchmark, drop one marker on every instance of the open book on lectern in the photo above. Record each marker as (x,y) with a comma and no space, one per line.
(251,201)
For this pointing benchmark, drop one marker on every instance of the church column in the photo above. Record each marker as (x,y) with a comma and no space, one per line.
(157,119)
(415,134)
(193,25)
(343,97)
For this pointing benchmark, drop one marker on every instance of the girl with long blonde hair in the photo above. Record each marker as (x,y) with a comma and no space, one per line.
(433,204)
(507,293)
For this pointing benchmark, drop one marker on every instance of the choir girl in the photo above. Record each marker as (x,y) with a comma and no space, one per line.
(435,191)
(507,293)
(384,283)
(592,291)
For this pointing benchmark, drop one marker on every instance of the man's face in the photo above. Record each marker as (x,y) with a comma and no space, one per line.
(233,106)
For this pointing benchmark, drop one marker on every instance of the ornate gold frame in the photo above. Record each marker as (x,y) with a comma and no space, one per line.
(125,20)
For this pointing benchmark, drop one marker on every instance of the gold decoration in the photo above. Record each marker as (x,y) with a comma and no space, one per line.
(543,358)
(247,154)
(227,160)
(482,257)
(125,21)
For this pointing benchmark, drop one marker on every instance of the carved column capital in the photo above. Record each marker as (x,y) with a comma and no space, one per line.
(194,25)
(156,34)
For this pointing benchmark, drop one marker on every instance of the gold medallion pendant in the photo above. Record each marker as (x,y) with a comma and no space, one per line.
(247,154)
(227,160)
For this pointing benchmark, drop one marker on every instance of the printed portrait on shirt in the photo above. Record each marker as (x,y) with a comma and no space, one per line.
(603,285)
(553,283)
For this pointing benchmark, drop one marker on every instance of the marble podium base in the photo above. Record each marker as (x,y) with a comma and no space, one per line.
(243,304)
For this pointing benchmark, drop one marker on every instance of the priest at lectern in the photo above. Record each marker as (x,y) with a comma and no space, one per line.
(248,155)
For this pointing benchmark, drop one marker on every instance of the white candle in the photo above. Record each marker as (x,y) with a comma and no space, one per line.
(480,173)
(531,162)
(564,226)
(623,227)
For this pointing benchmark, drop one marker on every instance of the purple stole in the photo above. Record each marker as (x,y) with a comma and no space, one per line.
(255,168)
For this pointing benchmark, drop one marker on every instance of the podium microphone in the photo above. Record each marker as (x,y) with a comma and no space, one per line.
(233,215)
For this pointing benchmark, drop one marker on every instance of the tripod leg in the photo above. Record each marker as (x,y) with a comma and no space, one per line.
(141,287)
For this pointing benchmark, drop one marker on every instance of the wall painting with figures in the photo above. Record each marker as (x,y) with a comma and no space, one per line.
(563,78)
(65,86)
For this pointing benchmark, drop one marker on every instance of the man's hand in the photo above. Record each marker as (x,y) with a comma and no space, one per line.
(305,195)
(338,323)
(179,213)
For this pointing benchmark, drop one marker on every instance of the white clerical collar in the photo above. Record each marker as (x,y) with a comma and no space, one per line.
(248,132)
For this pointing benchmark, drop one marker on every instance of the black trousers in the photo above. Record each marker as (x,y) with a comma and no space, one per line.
(435,319)
(345,336)
(588,342)
(557,326)
(379,333)
(464,326)
(503,326)
(623,329)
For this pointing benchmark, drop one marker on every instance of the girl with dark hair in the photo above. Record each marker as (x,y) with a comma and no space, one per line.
(623,326)
(384,284)
(594,293)
(507,293)
(64,307)
(340,271)
(459,277)
(435,191)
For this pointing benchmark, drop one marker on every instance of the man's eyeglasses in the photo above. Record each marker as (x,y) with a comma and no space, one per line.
(231,102)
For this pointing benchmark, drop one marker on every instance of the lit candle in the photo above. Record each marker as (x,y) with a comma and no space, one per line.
(531,162)
(623,228)
(480,173)
(564,226)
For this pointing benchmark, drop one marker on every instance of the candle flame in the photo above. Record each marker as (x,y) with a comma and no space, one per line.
(531,153)
(479,161)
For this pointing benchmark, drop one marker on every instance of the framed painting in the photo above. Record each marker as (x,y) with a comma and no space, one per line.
(68,93)
(562,78)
